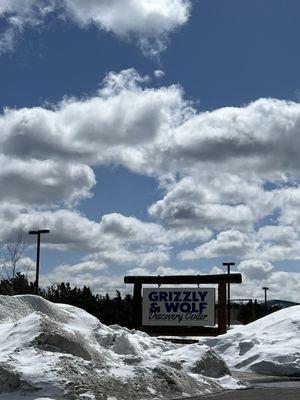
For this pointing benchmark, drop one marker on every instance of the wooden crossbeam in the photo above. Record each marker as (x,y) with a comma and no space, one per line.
(185,279)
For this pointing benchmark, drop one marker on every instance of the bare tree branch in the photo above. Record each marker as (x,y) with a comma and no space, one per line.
(13,253)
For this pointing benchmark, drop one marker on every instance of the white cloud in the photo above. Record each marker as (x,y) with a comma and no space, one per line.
(80,268)
(17,14)
(150,131)
(158,73)
(116,239)
(283,285)
(35,182)
(262,135)
(138,256)
(229,177)
(148,22)
(122,124)
(155,131)
(255,269)
(232,242)
(132,229)
(214,216)
(98,281)
(183,234)
(255,273)
(48,151)
(144,17)
(163,270)
(269,243)
(283,234)
(68,229)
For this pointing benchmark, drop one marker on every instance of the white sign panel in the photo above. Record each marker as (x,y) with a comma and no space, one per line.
(179,306)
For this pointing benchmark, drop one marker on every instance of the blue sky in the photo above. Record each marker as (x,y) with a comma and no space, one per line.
(153,140)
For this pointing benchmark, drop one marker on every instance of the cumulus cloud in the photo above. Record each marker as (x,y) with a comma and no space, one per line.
(132,229)
(255,269)
(149,130)
(259,135)
(147,22)
(229,178)
(36,182)
(145,119)
(273,233)
(115,239)
(97,280)
(158,73)
(16,15)
(278,243)
(257,273)
(123,124)
(49,151)
(269,243)
(192,204)
(163,270)
(70,230)
(227,243)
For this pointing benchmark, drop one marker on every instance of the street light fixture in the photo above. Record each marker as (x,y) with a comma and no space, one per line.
(38,233)
(265,289)
(228,265)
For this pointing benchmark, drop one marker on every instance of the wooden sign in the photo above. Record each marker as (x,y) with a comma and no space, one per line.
(178,307)
(222,280)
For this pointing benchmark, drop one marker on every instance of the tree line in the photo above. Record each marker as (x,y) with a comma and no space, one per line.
(252,310)
(110,310)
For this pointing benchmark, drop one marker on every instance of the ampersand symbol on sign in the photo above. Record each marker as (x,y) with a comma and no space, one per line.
(154,308)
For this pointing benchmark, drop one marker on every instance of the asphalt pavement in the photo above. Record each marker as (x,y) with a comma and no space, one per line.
(254,394)
(261,388)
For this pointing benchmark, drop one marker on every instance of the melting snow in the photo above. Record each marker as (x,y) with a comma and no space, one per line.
(267,346)
(53,351)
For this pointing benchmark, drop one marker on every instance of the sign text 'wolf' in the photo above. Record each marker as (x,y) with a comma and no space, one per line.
(179,306)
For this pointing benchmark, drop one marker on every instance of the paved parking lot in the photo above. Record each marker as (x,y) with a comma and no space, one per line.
(263,388)
(255,394)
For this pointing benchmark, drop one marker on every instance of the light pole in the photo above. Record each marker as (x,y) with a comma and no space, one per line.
(38,233)
(265,289)
(228,265)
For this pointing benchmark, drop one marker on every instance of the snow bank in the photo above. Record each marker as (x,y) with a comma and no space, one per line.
(59,350)
(270,345)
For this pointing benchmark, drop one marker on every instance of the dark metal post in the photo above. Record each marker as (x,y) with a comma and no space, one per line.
(228,264)
(38,247)
(265,289)
(37,263)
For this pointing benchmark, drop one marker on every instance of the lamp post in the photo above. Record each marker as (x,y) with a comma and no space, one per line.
(228,265)
(38,233)
(265,289)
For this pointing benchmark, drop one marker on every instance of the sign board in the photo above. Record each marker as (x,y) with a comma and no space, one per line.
(179,306)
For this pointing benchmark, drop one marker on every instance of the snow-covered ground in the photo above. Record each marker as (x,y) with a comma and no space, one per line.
(270,345)
(56,351)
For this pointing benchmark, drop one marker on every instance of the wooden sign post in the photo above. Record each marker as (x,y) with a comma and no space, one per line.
(221,280)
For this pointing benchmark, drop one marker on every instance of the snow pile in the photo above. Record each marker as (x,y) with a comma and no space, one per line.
(270,345)
(58,350)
